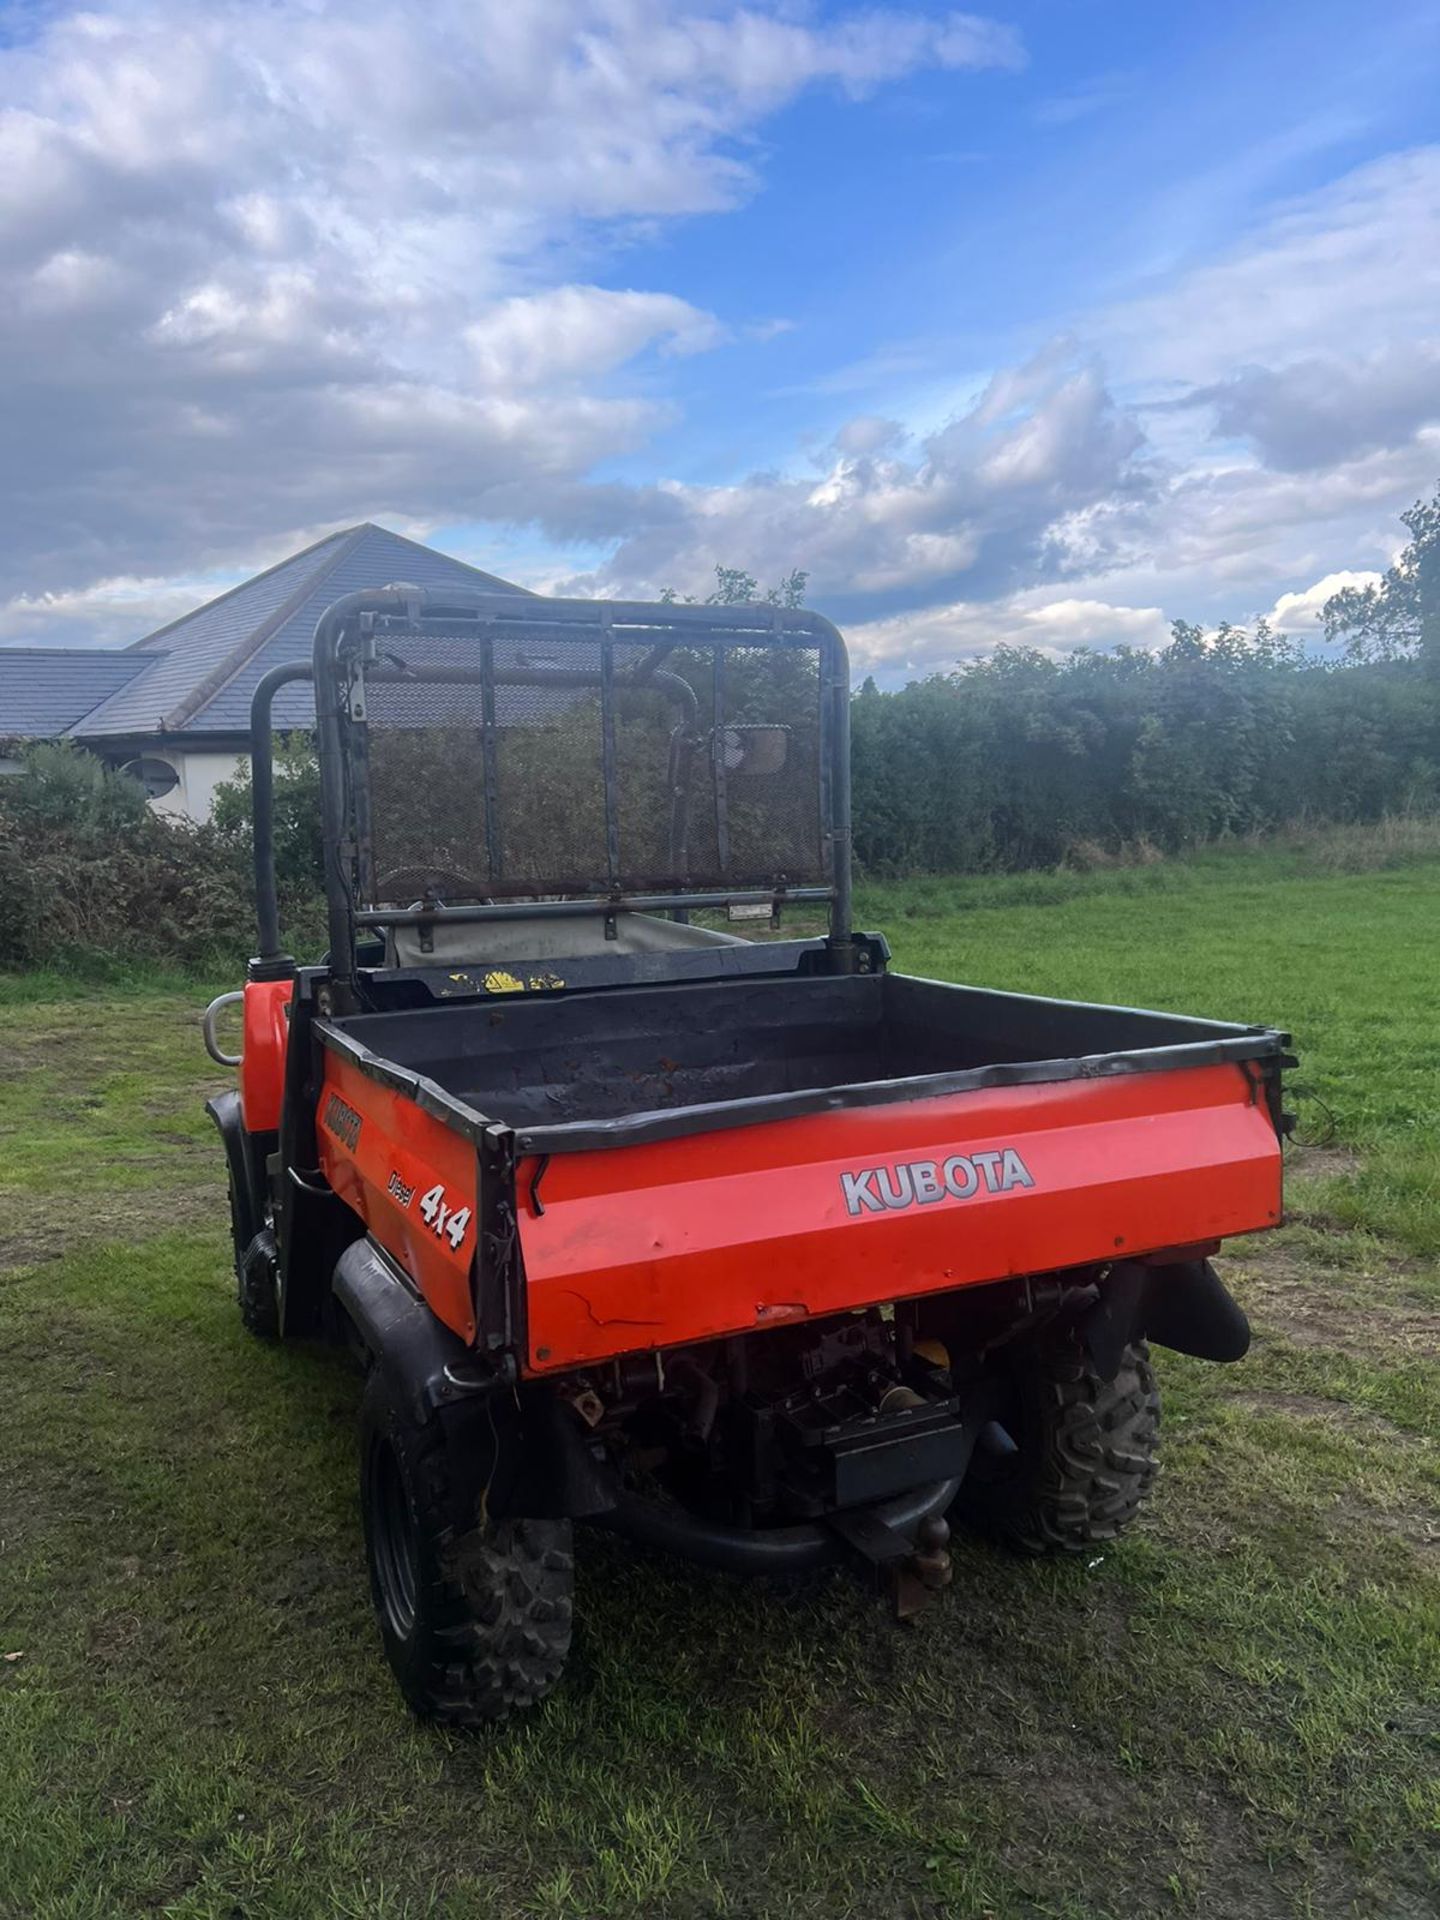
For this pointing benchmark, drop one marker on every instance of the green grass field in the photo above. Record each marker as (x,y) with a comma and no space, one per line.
(1236,1713)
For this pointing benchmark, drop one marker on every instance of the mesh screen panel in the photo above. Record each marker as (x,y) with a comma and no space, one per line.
(714,767)
(771,818)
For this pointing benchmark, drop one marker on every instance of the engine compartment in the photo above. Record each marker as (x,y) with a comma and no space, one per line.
(800,1423)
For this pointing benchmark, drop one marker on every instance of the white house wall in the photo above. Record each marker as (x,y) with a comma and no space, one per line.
(200,774)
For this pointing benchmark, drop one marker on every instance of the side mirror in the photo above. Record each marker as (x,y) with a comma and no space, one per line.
(745,752)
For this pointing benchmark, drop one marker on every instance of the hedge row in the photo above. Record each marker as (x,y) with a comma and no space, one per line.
(1023,761)
(89,873)
(1017,762)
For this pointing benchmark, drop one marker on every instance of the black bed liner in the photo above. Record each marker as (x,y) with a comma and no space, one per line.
(572,1071)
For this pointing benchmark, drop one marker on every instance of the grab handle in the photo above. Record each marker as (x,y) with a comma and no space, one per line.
(207,1028)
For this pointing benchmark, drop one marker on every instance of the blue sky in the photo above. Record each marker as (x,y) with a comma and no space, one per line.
(1041,325)
(951,222)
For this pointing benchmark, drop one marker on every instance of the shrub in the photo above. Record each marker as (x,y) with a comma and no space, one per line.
(1022,761)
(1014,763)
(89,871)
(299,846)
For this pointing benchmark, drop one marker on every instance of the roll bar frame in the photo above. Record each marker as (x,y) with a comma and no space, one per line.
(347,638)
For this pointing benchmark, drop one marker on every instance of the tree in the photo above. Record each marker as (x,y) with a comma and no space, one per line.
(1400,618)
(734,587)
(299,843)
(62,786)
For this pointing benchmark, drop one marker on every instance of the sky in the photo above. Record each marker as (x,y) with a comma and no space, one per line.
(1041,326)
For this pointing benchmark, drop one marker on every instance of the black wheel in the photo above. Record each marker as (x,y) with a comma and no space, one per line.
(255,1271)
(1074,1455)
(256,1288)
(474,1623)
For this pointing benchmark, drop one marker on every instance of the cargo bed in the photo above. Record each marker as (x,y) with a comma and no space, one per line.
(618,1068)
(708,1158)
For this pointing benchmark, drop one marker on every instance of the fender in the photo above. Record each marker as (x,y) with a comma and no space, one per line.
(1185,1306)
(517,1450)
(245,1158)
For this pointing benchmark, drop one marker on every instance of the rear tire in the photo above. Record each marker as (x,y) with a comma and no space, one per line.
(474,1624)
(254,1270)
(254,1283)
(1085,1454)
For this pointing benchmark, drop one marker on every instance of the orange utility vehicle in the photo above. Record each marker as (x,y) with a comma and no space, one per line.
(753,1250)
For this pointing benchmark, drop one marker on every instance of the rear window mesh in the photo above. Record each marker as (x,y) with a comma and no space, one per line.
(560,764)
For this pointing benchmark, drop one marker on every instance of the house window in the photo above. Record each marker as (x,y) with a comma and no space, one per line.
(157,776)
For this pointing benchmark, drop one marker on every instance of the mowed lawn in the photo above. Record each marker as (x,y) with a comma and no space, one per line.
(1235,1713)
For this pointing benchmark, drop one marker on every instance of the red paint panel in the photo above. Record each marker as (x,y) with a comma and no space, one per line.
(383,1155)
(653,1246)
(266,1013)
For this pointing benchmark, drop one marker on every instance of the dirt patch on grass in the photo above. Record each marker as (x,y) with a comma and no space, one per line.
(1293,1299)
(1418,1530)
(1368,1505)
(64,1224)
(1321,1162)
(1314,1406)
(1374,1327)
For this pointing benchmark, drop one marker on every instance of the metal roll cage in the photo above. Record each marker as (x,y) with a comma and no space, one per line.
(347,639)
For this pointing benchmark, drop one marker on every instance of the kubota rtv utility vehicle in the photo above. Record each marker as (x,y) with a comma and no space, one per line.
(752,1250)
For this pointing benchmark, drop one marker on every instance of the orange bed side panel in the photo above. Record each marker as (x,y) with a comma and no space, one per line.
(411,1180)
(724,1232)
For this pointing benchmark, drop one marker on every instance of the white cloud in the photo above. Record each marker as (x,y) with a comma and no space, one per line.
(1317,411)
(1223,537)
(108,613)
(265,270)
(887,520)
(1099,95)
(574,331)
(935,639)
(1255,445)
(268,267)
(1347,269)
(1300,413)
(1300,613)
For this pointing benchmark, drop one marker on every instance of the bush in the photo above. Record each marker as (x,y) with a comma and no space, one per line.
(89,872)
(1022,761)
(1019,762)
(1399,840)
(299,844)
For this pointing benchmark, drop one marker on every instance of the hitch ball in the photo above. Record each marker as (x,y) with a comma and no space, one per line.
(926,1571)
(931,1559)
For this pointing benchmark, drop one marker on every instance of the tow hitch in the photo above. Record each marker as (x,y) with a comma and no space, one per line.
(913,1570)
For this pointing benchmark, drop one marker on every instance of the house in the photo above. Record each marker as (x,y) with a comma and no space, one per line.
(174,707)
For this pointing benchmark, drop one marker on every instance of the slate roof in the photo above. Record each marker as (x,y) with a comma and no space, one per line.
(197,674)
(45,690)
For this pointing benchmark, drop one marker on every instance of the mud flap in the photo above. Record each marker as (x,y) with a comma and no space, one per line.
(1191,1309)
(1186,1307)
(1117,1317)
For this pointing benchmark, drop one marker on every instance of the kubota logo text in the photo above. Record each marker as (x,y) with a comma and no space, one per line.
(343,1121)
(918,1182)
